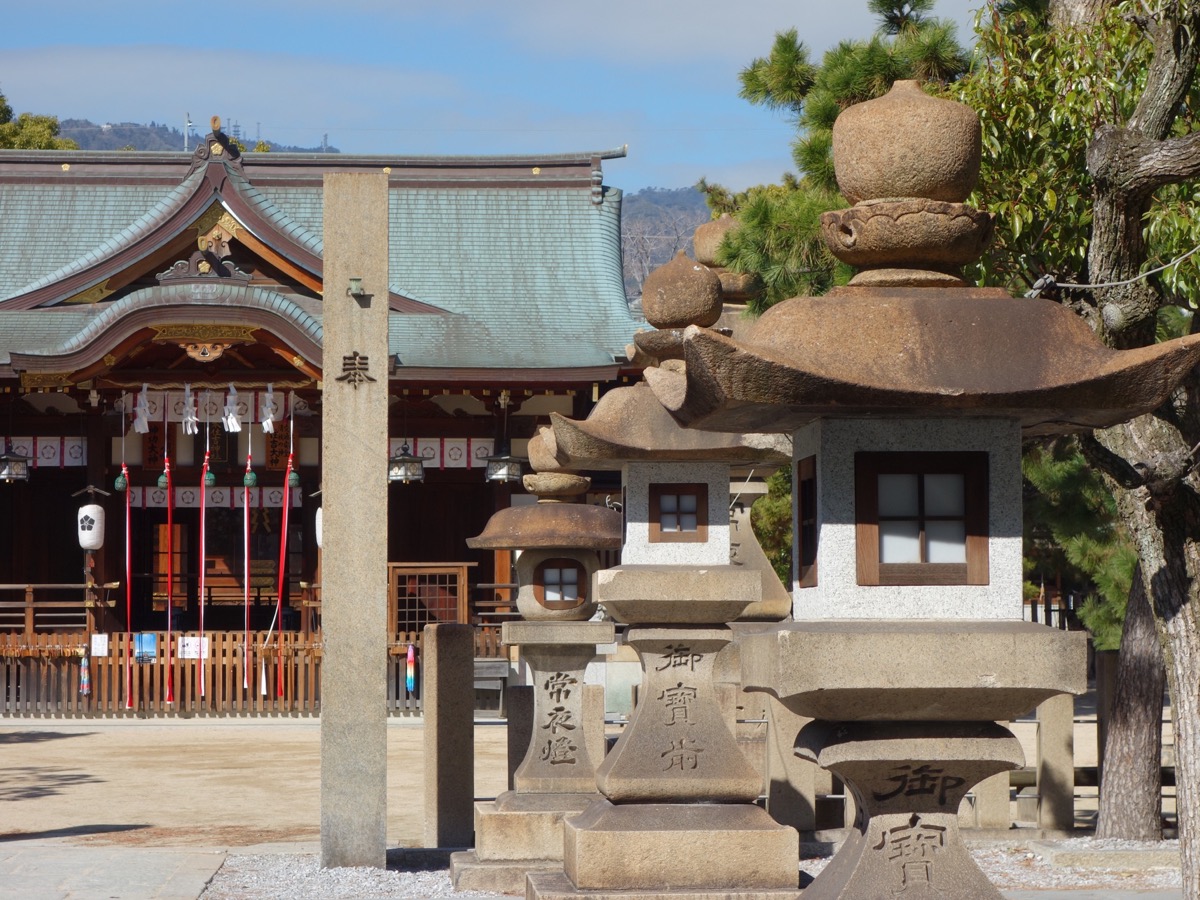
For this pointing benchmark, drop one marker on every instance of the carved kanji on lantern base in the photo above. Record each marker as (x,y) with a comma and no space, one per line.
(678,813)
(907,779)
(521,831)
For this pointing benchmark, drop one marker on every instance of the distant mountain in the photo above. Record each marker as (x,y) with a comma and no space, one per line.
(655,224)
(155,136)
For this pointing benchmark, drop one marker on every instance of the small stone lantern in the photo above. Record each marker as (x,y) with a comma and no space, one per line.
(522,830)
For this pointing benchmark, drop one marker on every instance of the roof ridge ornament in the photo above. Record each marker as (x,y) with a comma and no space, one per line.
(204,266)
(216,147)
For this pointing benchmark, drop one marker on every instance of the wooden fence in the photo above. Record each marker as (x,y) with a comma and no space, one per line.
(42,674)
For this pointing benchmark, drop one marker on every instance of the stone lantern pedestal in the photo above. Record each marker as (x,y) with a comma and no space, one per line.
(678,813)
(909,724)
(522,830)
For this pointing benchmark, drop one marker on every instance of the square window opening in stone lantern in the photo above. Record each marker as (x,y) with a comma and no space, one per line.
(908,519)
(676,513)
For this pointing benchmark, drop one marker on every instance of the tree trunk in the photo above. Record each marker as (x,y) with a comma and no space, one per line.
(1131,786)
(1152,456)
(1163,518)
(1076,12)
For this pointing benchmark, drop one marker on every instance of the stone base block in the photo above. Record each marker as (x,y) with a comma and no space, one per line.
(663,847)
(470,873)
(556,886)
(525,826)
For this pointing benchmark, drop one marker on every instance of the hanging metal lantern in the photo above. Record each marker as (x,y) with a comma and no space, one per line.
(13,467)
(406,468)
(503,466)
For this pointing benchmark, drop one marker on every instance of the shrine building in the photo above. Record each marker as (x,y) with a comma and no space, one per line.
(160,322)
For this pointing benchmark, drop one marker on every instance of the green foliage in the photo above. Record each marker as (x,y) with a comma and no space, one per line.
(779,238)
(1172,323)
(771,519)
(783,79)
(262,147)
(898,17)
(30,132)
(1041,96)
(1072,533)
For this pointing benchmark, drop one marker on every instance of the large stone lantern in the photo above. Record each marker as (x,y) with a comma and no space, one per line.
(678,811)
(907,394)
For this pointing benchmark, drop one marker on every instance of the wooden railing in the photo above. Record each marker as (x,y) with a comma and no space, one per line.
(45,641)
(42,674)
(35,612)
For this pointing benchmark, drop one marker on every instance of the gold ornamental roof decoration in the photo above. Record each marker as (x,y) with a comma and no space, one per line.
(204,333)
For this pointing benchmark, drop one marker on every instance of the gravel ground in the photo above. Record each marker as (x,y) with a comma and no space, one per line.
(299,876)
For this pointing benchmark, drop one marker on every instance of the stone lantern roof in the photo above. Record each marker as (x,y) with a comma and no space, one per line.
(628,424)
(554,522)
(907,337)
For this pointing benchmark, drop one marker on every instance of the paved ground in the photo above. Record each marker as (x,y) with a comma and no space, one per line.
(150,808)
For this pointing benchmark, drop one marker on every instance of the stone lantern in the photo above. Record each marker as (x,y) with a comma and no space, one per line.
(907,394)
(521,831)
(678,811)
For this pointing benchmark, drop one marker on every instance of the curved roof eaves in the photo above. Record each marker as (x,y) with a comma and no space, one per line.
(241,296)
(20,329)
(277,217)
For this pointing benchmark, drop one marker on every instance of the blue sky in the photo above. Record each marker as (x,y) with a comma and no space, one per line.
(455,77)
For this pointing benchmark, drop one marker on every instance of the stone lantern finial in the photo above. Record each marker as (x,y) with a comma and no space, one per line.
(907,161)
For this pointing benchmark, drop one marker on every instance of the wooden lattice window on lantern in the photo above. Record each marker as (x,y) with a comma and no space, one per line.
(560,583)
(921,518)
(678,513)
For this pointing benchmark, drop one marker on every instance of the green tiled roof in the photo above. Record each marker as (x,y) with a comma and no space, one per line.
(531,275)
(29,330)
(47,230)
(307,237)
(534,270)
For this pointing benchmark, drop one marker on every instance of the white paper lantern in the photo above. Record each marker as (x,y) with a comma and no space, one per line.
(90,523)
(317,527)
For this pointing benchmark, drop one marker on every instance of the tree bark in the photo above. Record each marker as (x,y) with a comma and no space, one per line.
(1151,456)
(1131,786)
(1067,13)
(1163,519)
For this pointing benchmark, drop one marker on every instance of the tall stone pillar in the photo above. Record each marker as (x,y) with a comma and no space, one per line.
(354,451)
